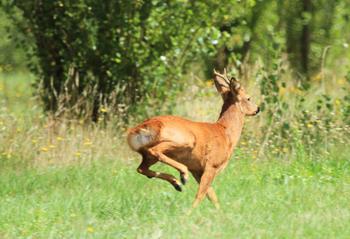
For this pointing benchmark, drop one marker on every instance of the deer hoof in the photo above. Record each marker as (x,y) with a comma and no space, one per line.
(177,187)
(183,179)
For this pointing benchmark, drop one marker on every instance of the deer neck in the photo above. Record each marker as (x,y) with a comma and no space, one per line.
(232,119)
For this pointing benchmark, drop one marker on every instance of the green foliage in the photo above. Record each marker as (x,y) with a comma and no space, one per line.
(114,54)
(312,115)
(11,57)
(94,59)
(312,29)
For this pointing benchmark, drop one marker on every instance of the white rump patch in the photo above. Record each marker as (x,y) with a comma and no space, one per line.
(140,139)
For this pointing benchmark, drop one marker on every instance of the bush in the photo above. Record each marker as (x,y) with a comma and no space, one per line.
(93,57)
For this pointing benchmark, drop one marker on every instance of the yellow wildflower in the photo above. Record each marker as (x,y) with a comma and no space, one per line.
(296,91)
(341,81)
(104,110)
(59,138)
(209,83)
(282,91)
(87,143)
(77,154)
(44,149)
(317,77)
(90,229)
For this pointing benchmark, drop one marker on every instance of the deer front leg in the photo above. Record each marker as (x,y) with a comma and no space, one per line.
(211,193)
(204,185)
(158,152)
(144,169)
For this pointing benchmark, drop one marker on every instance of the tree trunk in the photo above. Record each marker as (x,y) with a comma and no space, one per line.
(305,38)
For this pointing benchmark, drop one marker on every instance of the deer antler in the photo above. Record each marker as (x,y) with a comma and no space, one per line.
(224,76)
(231,82)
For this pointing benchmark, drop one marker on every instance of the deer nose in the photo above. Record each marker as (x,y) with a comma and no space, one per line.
(258,110)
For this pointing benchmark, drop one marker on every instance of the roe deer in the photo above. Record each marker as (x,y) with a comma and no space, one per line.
(202,148)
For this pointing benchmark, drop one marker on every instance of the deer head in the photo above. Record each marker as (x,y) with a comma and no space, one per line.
(232,92)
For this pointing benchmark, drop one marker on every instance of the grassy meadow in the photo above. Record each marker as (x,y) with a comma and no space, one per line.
(69,179)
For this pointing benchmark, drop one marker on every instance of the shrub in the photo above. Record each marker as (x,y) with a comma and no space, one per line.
(92,57)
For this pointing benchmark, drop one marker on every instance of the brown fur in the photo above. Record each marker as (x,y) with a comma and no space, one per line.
(203,149)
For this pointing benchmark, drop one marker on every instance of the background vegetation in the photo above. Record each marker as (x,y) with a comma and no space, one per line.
(118,54)
(74,75)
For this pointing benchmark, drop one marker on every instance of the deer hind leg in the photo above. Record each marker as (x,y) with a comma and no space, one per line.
(147,162)
(204,186)
(158,152)
(210,193)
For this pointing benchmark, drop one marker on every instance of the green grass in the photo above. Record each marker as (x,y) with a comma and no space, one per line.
(307,198)
(16,93)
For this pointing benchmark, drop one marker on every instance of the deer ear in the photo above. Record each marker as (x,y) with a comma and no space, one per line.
(221,85)
(237,86)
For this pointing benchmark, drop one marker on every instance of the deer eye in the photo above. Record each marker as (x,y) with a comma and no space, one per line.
(248,98)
